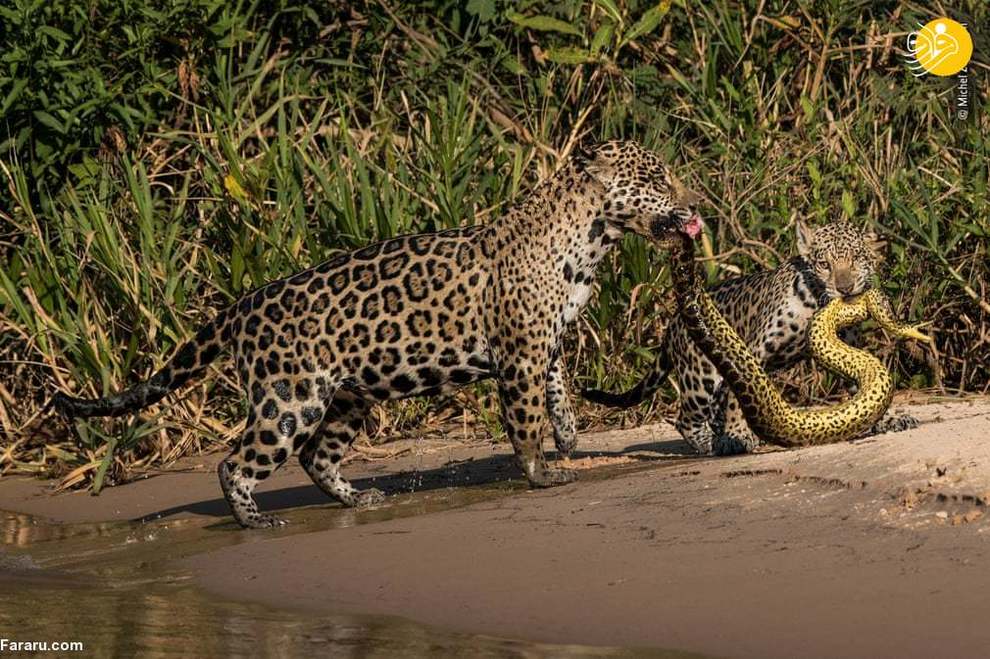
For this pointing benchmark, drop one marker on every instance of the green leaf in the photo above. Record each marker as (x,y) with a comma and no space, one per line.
(647,22)
(569,55)
(237,268)
(483,9)
(513,65)
(15,91)
(848,204)
(611,9)
(543,23)
(55,33)
(807,107)
(681,79)
(603,37)
(48,120)
(105,463)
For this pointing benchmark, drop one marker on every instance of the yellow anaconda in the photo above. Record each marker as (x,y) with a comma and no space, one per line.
(766,411)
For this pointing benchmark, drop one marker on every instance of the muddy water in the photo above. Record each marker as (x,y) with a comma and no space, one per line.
(114,587)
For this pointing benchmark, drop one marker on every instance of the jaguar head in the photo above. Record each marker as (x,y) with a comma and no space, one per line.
(642,195)
(844,258)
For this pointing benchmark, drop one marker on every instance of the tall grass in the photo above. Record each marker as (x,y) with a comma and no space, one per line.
(160,162)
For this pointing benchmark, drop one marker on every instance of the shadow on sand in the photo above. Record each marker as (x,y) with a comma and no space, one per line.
(462,473)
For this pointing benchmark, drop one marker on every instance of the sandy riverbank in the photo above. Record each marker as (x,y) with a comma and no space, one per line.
(873,548)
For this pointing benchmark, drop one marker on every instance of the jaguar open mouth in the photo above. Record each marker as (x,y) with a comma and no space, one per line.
(665,228)
(693,226)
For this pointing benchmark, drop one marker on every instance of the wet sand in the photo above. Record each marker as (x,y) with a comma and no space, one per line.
(867,549)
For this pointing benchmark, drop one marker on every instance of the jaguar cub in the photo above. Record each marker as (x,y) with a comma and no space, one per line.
(771,311)
(418,315)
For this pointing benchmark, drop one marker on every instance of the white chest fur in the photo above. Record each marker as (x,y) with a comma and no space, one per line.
(579,269)
(579,296)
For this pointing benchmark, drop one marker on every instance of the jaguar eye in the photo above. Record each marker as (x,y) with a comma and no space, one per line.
(823,265)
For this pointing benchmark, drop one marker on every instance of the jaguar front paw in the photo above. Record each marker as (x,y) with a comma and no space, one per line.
(730,444)
(368,498)
(553,477)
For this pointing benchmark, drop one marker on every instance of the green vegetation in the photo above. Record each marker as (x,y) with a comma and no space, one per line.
(159,161)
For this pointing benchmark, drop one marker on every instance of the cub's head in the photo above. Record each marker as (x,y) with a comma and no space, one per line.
(843,257)
(641,193)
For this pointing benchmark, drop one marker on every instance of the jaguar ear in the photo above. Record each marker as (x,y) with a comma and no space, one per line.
(805,237)
(601,163)
(683,196)
(876,244)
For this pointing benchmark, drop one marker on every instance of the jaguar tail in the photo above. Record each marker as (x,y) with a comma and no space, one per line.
(189,362)
(643,389)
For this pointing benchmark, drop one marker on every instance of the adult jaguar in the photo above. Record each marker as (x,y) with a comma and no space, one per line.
(771,311)
(769,415)
(417,315)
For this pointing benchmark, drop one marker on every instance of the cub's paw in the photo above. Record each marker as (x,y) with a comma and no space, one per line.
(553,477)
(729,444)
(894,423)
(368,498)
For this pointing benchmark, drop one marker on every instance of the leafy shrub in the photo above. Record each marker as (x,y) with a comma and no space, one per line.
(161,158)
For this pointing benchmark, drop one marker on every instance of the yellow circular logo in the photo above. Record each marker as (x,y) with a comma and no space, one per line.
(942,47)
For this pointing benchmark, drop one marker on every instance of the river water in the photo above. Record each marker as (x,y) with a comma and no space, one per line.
(115,588)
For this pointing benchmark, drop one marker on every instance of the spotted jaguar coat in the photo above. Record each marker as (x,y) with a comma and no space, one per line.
(771,311)
(420,315)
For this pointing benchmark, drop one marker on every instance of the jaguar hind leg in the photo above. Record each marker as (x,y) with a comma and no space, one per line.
(322,454)
(284,413)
